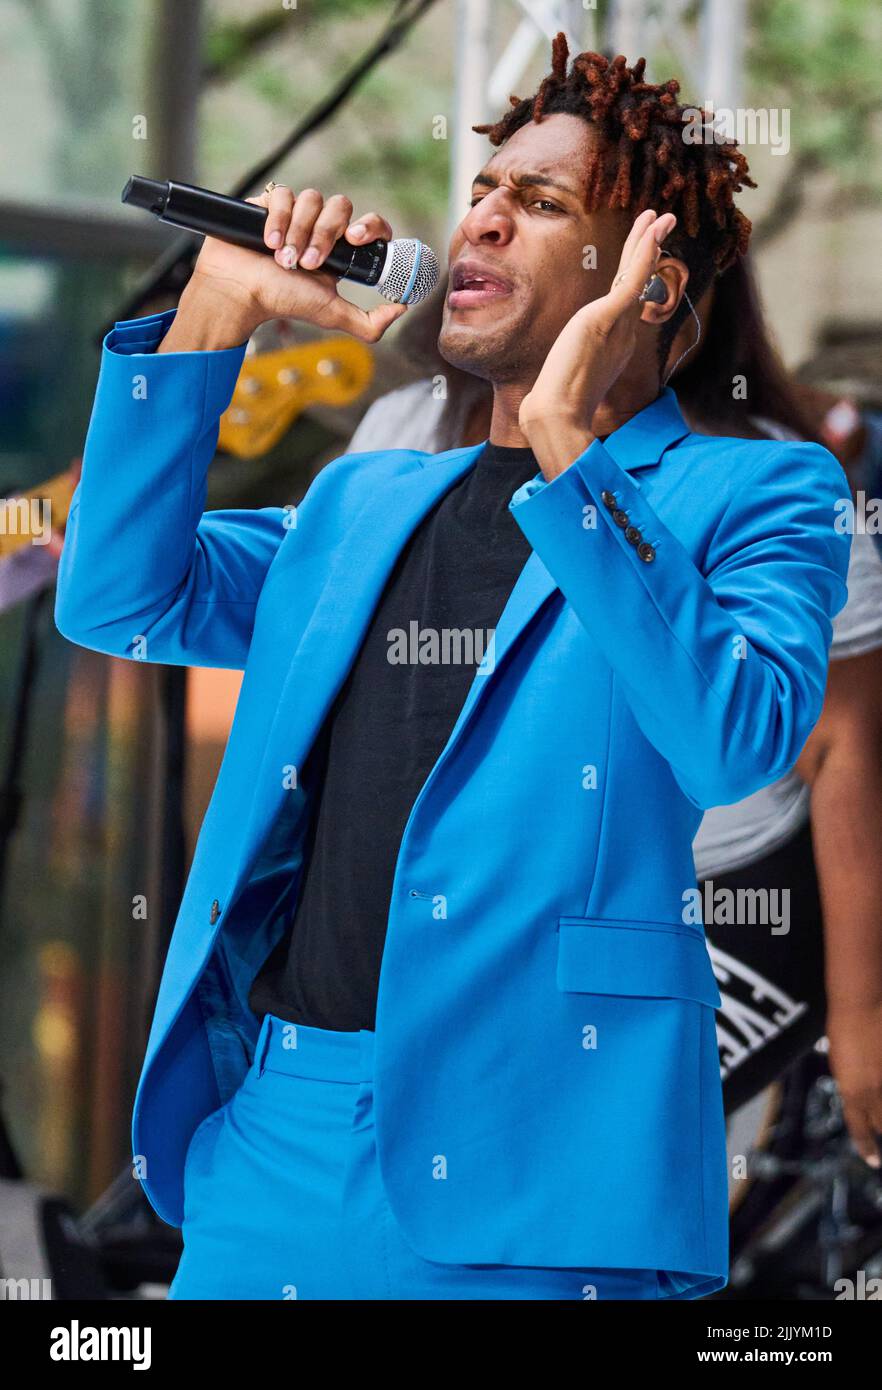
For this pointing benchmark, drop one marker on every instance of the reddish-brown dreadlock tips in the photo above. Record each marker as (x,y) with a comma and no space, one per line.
(645,159)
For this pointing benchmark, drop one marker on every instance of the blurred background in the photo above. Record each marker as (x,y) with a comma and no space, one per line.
(107,765)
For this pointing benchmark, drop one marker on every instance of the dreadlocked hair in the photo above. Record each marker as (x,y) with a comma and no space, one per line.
(643,160)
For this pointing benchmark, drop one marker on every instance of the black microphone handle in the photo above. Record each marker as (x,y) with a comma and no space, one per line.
(234,220)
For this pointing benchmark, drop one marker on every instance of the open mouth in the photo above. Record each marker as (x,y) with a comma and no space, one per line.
(471,285)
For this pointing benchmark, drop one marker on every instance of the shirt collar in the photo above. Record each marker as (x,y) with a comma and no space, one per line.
(642,440)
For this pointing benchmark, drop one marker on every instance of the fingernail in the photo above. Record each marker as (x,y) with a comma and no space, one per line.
(288,258)
(274,239)
(310,258)
(358,229)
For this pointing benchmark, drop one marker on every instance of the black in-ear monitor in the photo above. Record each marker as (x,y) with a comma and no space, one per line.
(655,290)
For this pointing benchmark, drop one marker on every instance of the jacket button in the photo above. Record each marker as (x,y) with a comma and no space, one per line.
(215,912)
(633,535)
(621,518)
(646,552)
(608,500)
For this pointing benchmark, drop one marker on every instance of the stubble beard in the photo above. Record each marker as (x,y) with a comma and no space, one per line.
(494,354)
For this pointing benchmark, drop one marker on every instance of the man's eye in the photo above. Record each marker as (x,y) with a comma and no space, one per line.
(545,203)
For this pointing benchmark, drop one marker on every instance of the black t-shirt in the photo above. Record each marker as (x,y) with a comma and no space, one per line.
(382,737)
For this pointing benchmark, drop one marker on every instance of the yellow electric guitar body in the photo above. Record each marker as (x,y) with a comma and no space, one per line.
(275,387)
(27,513)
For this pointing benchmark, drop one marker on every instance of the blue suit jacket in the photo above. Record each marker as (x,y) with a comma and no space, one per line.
(547,1082)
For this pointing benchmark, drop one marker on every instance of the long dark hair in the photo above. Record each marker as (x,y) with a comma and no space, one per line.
(736,342)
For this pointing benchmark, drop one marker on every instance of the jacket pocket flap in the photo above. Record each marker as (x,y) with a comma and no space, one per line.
(597,956)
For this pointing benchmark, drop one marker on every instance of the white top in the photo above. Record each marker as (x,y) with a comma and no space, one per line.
(408,418)
(729,837)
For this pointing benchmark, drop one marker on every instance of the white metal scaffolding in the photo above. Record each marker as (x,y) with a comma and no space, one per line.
(496,40)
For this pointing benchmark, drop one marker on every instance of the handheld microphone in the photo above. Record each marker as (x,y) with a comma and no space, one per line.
(403,271)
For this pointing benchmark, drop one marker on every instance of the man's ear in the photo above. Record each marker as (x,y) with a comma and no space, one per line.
(673,275)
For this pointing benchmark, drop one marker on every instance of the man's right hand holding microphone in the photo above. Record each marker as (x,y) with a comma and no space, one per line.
(232,291)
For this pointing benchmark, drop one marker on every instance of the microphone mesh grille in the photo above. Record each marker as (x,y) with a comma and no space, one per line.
(399,269)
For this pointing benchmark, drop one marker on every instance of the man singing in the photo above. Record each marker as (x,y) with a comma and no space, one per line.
(436,1021)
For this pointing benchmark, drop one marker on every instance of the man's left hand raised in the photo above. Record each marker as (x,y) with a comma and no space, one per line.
(590,353)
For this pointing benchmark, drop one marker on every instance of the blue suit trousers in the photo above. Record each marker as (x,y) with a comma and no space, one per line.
(283,1196)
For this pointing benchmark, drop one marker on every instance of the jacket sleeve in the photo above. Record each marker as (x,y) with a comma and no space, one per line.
(723,666)
(144,572)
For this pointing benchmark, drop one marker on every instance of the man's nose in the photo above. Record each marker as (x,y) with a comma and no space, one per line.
(489,220)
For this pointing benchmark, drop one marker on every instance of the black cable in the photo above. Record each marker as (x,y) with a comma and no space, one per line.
(385,44)
(172,270)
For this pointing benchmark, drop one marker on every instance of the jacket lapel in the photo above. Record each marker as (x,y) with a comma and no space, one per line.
(357,573)
(640,443)
(533,586)
(642,440)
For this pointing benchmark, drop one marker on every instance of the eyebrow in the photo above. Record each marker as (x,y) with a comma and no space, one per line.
(528,180)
